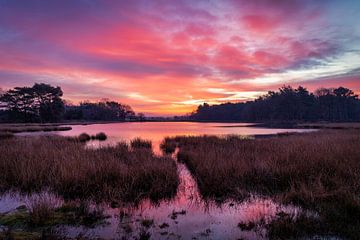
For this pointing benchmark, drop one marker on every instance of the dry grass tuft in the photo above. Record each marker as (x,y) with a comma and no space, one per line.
(139,143)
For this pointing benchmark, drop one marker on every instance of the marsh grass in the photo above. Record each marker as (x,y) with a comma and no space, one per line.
(64,166)
(41,209)
(318,171)
(168,146)
(101,136)
(286,227)
(43,216)
(139,143)
(4,135)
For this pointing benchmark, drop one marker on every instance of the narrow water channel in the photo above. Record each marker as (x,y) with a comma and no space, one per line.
(188,216)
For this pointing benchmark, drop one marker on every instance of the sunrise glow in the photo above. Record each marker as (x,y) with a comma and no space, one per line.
(167,57)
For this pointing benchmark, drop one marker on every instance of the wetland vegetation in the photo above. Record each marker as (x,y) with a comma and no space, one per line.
(63,165)
(319,171)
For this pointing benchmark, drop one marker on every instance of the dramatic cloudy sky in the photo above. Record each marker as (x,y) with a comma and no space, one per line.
(165,57)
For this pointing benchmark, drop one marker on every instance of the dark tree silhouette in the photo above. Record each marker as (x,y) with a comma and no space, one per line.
(104,110)
(287,104)
(39,103)
(44,103)
(48,98)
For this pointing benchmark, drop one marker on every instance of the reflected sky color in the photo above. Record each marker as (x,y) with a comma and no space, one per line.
(166,57)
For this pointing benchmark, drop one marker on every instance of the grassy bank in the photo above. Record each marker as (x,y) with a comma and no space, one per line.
(64,166)
(18,128)
(318,171)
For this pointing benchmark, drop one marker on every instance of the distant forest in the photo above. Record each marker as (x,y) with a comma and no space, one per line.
(43,103)
(287,104)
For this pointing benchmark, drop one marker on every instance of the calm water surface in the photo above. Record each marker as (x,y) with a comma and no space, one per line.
(199,219)
(156,131)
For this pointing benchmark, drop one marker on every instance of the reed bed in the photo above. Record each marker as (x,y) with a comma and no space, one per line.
(64,166)
(318,171)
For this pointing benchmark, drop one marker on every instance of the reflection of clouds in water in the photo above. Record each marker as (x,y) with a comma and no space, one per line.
(200,217)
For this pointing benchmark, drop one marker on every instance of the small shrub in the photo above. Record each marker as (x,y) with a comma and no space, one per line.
(101,136)
(84,137)
(140,143)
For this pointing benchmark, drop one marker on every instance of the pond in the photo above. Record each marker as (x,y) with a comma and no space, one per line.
(157,131)
(187,215)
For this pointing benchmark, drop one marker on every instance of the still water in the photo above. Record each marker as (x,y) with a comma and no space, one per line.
(156,131)
(187,215)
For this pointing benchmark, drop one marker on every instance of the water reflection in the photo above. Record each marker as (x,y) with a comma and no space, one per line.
(157,131)
(187,216)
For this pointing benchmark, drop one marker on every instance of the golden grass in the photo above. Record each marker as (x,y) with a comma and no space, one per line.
(64,166)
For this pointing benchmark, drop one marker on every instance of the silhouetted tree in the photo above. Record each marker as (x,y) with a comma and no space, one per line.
(104,110)
(49,102)
(39,103)
(287,104)
(44,103)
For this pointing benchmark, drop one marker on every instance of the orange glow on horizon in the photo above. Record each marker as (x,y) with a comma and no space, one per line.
(166,58)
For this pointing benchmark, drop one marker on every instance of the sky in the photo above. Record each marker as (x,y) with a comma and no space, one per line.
(165,57)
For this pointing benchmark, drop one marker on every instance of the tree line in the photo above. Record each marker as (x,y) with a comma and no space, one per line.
(43,103)
(287,104)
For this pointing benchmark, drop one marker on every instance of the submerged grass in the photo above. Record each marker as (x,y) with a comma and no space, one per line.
(63,165)
(40,219)
(319,171)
